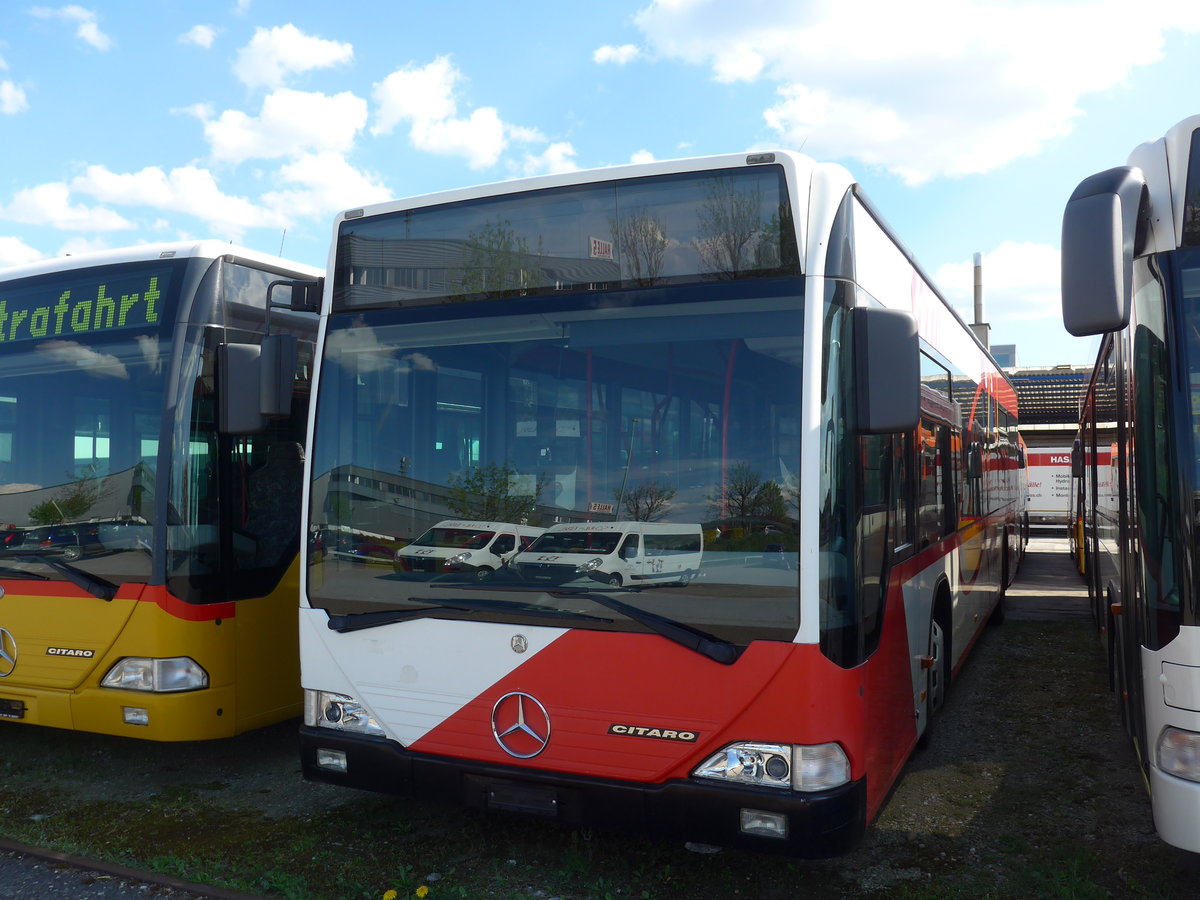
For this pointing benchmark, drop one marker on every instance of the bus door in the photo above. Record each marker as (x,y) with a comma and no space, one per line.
(633,561)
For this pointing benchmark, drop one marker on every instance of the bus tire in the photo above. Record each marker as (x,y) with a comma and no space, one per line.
(998,611)
(613,580)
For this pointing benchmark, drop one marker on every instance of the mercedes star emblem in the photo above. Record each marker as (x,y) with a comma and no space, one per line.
(520,725)
(8,653)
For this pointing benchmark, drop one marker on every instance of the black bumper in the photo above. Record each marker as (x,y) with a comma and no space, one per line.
(819,825)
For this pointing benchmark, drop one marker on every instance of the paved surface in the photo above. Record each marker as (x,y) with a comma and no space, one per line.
(1048,587)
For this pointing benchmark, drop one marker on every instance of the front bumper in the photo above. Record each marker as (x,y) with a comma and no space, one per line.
(819,825)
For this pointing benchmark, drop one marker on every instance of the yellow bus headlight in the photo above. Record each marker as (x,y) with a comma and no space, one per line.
(160,676)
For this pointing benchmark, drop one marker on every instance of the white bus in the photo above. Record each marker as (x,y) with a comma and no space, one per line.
(735,341)
(1131,272)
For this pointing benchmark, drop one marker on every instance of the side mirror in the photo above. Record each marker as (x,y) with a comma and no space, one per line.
(277,375)
(1104,226)
(887,362)
(255,383)
(304,296)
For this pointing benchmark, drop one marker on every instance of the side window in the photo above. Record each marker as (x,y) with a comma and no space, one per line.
(629,547)
(1156,496)
(503,544)
(904,477)
(932,441)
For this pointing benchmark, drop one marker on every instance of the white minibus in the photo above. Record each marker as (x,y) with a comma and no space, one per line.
(616,553)
(465,547)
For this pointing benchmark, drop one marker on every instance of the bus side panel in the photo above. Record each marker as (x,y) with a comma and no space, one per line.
(67,644)
(1172,699)
(889,713)
(184,716)
(268,655)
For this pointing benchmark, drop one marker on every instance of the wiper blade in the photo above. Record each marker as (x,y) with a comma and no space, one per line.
(10,572)
(93,584)
(359,621)
(685,635)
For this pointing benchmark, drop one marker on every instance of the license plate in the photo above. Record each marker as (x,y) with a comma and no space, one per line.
(522,798)
(12,709)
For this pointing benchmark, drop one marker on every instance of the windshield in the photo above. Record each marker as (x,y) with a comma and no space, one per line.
(671,411)
(577,542)
(455,538)
(82,359)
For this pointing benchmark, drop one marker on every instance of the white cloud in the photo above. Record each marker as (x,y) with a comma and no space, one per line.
(1020,284)
(558,157)
(274,54)
(479,137)
(322,184)
(87,28)
(641,156)
(77,246)
(15,252)
(200,35)
(416,94)
(290,123)
(50,204)
(12,98)
(424,99)
(934,88)
(186,189)
(73,353)
(619,56)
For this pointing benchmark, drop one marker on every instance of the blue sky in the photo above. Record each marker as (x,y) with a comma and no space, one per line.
(255,121)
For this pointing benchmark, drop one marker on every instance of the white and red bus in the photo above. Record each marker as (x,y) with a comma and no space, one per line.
(734,346)
(1131,272)
(1049,485)
(149,559)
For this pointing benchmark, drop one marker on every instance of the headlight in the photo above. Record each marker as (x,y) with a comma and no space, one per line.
(161,676)
(1179,753)
(590,566)
(786,766)
(458,559)
(325,709)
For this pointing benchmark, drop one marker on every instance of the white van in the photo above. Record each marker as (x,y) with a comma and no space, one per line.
(616,553)
(464,547)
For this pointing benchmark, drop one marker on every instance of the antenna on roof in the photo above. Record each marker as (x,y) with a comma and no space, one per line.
(282,238)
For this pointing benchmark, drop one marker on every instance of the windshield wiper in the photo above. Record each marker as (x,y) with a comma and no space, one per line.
(10,572)
(359,621)
(93,584)
(685,635)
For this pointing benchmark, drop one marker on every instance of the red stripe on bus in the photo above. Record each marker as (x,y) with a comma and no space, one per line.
(145,593)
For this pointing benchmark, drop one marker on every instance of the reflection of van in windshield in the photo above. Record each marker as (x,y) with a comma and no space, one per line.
(616,553)
(464,546)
